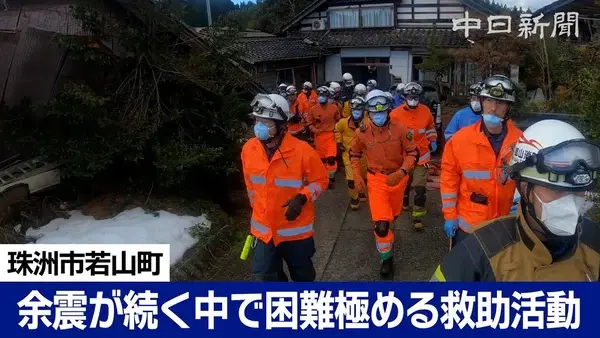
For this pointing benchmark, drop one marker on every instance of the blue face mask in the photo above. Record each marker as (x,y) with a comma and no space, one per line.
(379,118)
(322,99)
(357,114)
(492,120)
(261,131)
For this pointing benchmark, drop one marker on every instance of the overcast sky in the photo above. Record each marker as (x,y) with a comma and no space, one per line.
(533,4)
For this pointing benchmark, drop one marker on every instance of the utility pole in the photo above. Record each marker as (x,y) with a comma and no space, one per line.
(208,13)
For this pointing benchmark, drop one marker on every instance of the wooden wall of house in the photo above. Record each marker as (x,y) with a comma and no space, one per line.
(270,74)
(31,64)
(409,13)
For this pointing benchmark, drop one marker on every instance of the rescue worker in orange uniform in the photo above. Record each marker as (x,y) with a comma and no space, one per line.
(549,238)
(345,131)
(472,162)
(390,154)
(298,111)
(321,120)
(308,97)
(418,119)
(284,176)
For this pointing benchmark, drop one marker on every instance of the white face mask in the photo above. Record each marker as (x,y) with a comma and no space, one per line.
(561,215)
(412,103)
(476,106)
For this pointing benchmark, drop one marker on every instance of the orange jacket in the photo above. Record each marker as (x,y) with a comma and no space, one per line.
(471,171)
(297,108)
(295,168)
(420,122)
(321,118)
(387,149)
(309,100)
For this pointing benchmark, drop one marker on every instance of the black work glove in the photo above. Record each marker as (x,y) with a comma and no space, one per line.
(295,118)
(294,206)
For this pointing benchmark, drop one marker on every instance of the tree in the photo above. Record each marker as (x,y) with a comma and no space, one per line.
(146,102)
(437,61)
(488,57)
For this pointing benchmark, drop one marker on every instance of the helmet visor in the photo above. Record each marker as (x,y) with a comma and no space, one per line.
(378,104)
(571,156)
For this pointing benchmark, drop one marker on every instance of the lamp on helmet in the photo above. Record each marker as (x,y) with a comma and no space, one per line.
(498,87)
(556,155)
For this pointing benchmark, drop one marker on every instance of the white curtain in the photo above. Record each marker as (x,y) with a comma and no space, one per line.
(346,18)
(377,17)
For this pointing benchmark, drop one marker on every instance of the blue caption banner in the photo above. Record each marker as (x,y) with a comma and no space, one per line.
(298,309)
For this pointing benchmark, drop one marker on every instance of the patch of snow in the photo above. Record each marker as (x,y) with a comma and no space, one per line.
(133,226)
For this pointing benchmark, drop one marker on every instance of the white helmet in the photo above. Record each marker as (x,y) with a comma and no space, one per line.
(555,154)
(271,106)
(348,79)
(335,86)
(331,92)
(400,87)
(389,96)
(360,89)
(498,87)
(377,101)
(291,90)
(283,86)
(371,84)
(307,85)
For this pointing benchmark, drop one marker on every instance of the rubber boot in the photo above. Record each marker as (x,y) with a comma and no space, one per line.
(354,204)
(362,197)
(387,268)
(418,215)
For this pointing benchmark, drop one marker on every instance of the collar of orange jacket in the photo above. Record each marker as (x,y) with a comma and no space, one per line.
(483,139)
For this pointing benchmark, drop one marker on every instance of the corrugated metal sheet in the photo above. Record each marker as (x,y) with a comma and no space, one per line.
(35,67)
(8,44)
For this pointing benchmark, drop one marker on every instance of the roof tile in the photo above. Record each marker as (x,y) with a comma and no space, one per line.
(384,37)
(277,48)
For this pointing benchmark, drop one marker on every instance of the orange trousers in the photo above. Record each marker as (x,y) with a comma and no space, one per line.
(385,203)
(327,150)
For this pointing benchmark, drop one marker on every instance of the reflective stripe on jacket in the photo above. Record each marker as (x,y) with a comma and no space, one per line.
(420,122)
(471,171)
(295,168)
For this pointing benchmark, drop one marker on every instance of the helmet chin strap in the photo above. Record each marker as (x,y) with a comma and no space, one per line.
(557,245)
